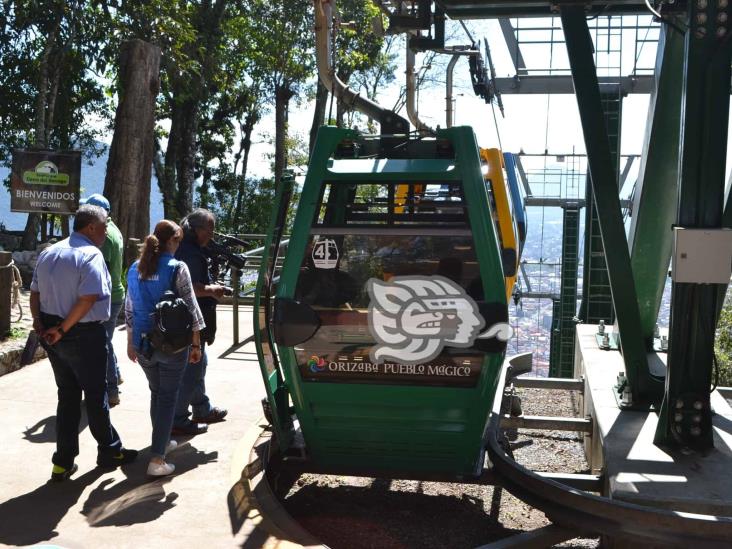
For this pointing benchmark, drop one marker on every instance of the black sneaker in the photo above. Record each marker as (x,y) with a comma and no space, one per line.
(59,474)
(124,456)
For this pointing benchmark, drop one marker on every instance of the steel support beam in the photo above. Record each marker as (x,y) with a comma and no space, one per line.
(685,419)
(603,175)
(562,342)
(626,170)
(654,209)
(513,46)
(481,9)
(558,84)
(522,174)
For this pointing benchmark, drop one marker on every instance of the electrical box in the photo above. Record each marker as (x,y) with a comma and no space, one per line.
(702,256)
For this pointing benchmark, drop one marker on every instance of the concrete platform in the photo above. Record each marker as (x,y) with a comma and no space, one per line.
(200,506)
(621,443)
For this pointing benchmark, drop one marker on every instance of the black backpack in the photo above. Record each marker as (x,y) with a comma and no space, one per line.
(172,322)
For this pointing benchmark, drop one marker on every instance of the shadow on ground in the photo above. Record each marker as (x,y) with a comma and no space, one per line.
(32,518)
(45,430)
(377,516)
(138,499)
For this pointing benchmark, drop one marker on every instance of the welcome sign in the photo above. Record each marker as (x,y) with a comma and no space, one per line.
(45,181)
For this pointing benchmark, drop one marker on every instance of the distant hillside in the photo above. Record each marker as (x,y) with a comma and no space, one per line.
(92,181)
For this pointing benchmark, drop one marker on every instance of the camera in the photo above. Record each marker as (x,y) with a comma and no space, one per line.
(222,255)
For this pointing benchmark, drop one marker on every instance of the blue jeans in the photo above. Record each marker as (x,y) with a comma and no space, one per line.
(164,373)
(193,392)
(79,361)
(112,368)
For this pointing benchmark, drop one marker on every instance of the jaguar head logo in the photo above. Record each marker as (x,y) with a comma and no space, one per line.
(414,317)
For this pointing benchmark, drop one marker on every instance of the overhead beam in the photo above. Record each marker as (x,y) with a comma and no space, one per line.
(603,178)
(562,84)
(477,9)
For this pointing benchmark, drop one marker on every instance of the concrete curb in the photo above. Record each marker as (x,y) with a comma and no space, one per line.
(255,512)
(10,359)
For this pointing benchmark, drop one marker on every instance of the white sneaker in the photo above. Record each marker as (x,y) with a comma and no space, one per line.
(172,445)
(160,469)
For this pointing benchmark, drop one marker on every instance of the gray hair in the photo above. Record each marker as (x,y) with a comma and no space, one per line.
(88,214)
(197,219)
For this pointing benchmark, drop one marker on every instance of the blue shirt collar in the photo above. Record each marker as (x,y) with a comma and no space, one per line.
(83,237)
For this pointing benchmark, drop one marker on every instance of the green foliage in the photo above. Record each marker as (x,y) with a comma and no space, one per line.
(17,333)
(723,343)
(68,36)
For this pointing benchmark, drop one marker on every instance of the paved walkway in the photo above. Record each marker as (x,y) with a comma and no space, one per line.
(122,508)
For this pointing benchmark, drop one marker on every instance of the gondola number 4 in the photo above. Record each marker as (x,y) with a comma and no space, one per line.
(325,254)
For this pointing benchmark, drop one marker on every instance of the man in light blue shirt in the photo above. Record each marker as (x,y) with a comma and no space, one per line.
(70,298)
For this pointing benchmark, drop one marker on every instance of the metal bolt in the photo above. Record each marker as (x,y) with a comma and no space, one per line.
(679,404)
(722,17)
(678,417)
(701,18)
(606,340)
(721,31)
(664,343)
(701,32)
(697,418)
(723,3)
(695,431)
(656,332)
(701,4)
(698,405)
(601,327)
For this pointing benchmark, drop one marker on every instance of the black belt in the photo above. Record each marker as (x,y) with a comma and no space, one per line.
(54,320)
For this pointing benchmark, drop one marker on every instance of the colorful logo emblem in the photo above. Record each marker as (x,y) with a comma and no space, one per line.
(316,364)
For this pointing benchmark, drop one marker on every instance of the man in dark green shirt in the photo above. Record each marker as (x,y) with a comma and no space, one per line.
(112,250)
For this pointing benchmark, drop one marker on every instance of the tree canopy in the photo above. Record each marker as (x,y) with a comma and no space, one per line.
(226,66)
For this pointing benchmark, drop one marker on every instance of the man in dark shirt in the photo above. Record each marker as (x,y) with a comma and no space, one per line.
(198,228)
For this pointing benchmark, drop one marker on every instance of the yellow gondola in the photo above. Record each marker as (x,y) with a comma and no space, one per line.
(502,208)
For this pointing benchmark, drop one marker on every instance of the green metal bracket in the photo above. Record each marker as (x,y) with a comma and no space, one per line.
(686,418)
(654,211)
(604,185)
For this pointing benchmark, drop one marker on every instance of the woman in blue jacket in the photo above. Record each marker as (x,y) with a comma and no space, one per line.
(148,278)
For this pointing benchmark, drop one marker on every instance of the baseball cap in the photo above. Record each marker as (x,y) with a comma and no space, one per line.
(96,199)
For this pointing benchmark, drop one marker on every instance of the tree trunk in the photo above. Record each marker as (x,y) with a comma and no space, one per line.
(129,168)
(33,223)
(283,94)
(246,142)
(321,101)
(186,158)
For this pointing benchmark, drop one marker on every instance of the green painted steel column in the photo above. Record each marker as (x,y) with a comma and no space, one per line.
(564,309)
(597,300)
(605,189)
(685,419)
(656,194)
